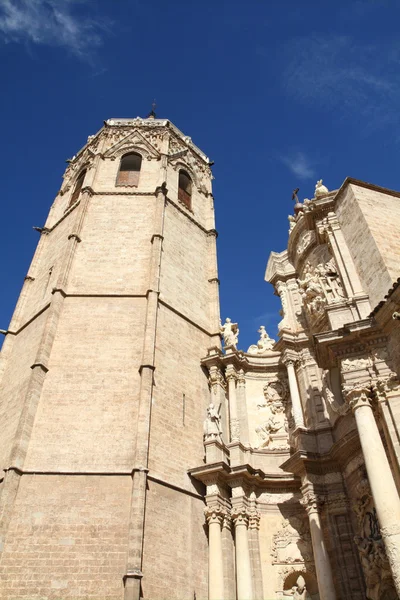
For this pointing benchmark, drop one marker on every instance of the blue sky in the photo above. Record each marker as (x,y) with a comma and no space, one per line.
(277,93)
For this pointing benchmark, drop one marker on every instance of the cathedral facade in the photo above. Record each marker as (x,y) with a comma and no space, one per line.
(143,453)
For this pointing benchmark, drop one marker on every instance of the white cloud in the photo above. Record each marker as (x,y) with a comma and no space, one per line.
(50,22)
(335,73)
(299,164)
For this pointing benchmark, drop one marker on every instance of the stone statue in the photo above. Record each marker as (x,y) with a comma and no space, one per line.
(320,285)
(292,222)
(311,289)
(320,190)
(230,333)
(264,344)
(212,424)
(298,591)
(273,425)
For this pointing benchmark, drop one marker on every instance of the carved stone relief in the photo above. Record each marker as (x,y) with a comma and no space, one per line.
(320,286)
(369,543)
(305,240)
(272,432)
(292,543)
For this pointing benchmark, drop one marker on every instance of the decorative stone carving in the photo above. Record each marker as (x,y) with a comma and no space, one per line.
(311,501)
(340,409)
(264,432)
(369,542)
(214,514)
(264,344)
(292,222)
(254,519)
(356,395)
(320,190)
(240,516)
(305,240)
(215,379)
(298,591)
(320,286)
(311,290)
(278,498)
(230,333)
(273,432)
(292,543)
(282,291)
(212,424)
(355,364)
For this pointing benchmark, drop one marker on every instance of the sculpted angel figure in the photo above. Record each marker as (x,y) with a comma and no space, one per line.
(212,424)
(264,344)
(230,333)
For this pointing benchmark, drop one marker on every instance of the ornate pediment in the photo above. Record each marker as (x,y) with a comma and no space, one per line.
(135,142)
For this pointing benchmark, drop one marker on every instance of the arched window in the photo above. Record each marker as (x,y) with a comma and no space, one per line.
(129,169)
(77,189)
(185,189)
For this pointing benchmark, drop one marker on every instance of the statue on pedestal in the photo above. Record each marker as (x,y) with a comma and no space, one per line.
(230,333)
(212,424)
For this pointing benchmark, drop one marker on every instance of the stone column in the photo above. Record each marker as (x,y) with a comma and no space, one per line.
(254,543)
(215,517)
(242,551)
(242,407)
(383,487)
(231,377)
(323,569)
(294,394)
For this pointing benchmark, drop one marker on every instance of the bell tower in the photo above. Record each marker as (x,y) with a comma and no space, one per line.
(102,395)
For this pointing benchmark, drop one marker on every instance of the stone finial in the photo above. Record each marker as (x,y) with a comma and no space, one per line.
(230,333)
(320,190)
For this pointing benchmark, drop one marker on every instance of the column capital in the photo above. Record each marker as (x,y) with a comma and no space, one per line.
(214,514)
(254,519)
(240,516)
(357,395)
(290,359)
(215,378)
(230,373)
(227,522)
(311,501)
(383,386)
(241,378)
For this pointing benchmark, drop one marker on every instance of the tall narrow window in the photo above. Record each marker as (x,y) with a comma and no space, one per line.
(77,189)
(129,169)
(185,189)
